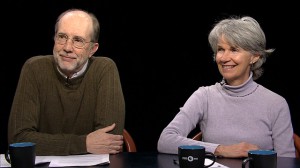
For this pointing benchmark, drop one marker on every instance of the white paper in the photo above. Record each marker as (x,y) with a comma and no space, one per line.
(215,165)
(3,162)
(64,161)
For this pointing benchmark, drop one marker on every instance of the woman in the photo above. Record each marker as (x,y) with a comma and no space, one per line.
(237,114)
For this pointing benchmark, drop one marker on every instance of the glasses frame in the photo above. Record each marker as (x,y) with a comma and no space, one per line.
(72,39)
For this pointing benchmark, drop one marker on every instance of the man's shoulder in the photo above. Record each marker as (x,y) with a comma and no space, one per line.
(39,59)
(101,61)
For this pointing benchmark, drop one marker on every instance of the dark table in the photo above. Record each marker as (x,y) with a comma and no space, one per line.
(158,160)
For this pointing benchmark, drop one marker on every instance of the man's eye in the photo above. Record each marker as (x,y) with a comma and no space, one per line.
(61,36)
(78,40)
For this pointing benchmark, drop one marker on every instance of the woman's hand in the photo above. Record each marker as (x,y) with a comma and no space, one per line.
(236,150)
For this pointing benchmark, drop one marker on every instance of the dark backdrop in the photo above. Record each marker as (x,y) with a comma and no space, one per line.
(160,48)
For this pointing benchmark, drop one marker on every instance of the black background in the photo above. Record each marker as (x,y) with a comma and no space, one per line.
(160,48)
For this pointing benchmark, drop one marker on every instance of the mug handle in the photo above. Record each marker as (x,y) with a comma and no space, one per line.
(7,157)
(245,161)
(213,158)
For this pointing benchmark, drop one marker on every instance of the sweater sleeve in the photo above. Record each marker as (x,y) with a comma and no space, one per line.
(282,130)
(176,132)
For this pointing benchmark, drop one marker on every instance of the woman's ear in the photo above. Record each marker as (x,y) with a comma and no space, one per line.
(254,59)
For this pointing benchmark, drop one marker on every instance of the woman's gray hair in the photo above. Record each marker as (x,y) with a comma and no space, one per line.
(245,33)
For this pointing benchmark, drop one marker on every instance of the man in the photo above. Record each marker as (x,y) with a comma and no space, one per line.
(70,102)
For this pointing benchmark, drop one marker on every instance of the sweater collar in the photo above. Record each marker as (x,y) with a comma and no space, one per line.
(75,74)
(245,89)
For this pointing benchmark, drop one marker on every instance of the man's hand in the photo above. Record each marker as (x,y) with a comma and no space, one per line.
(101,142)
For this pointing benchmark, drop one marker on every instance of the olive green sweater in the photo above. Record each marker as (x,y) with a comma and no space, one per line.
(57,114)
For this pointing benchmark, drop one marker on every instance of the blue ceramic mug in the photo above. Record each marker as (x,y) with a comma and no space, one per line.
(21,155)
(193,156)
(261,159)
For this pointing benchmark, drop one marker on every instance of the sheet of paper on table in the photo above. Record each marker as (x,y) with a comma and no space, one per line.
(215,165)
(63,161)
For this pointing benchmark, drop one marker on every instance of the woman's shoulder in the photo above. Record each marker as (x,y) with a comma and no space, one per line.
(268,94)
(210,87)
(205,90)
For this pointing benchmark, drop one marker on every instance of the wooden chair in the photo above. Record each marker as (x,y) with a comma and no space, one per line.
(198,137)
(297,145)
(128,142)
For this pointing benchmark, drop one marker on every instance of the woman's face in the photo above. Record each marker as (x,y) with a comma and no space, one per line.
(234,63)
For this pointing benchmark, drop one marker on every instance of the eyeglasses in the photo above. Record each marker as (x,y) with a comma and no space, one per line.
(77,42)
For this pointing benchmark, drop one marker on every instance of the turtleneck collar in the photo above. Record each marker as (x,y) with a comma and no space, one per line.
(245,89)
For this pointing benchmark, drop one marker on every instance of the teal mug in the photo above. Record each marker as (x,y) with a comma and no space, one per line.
(21,155)
(261,159)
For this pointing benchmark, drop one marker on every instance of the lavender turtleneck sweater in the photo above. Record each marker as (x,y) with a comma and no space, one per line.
(229,115)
